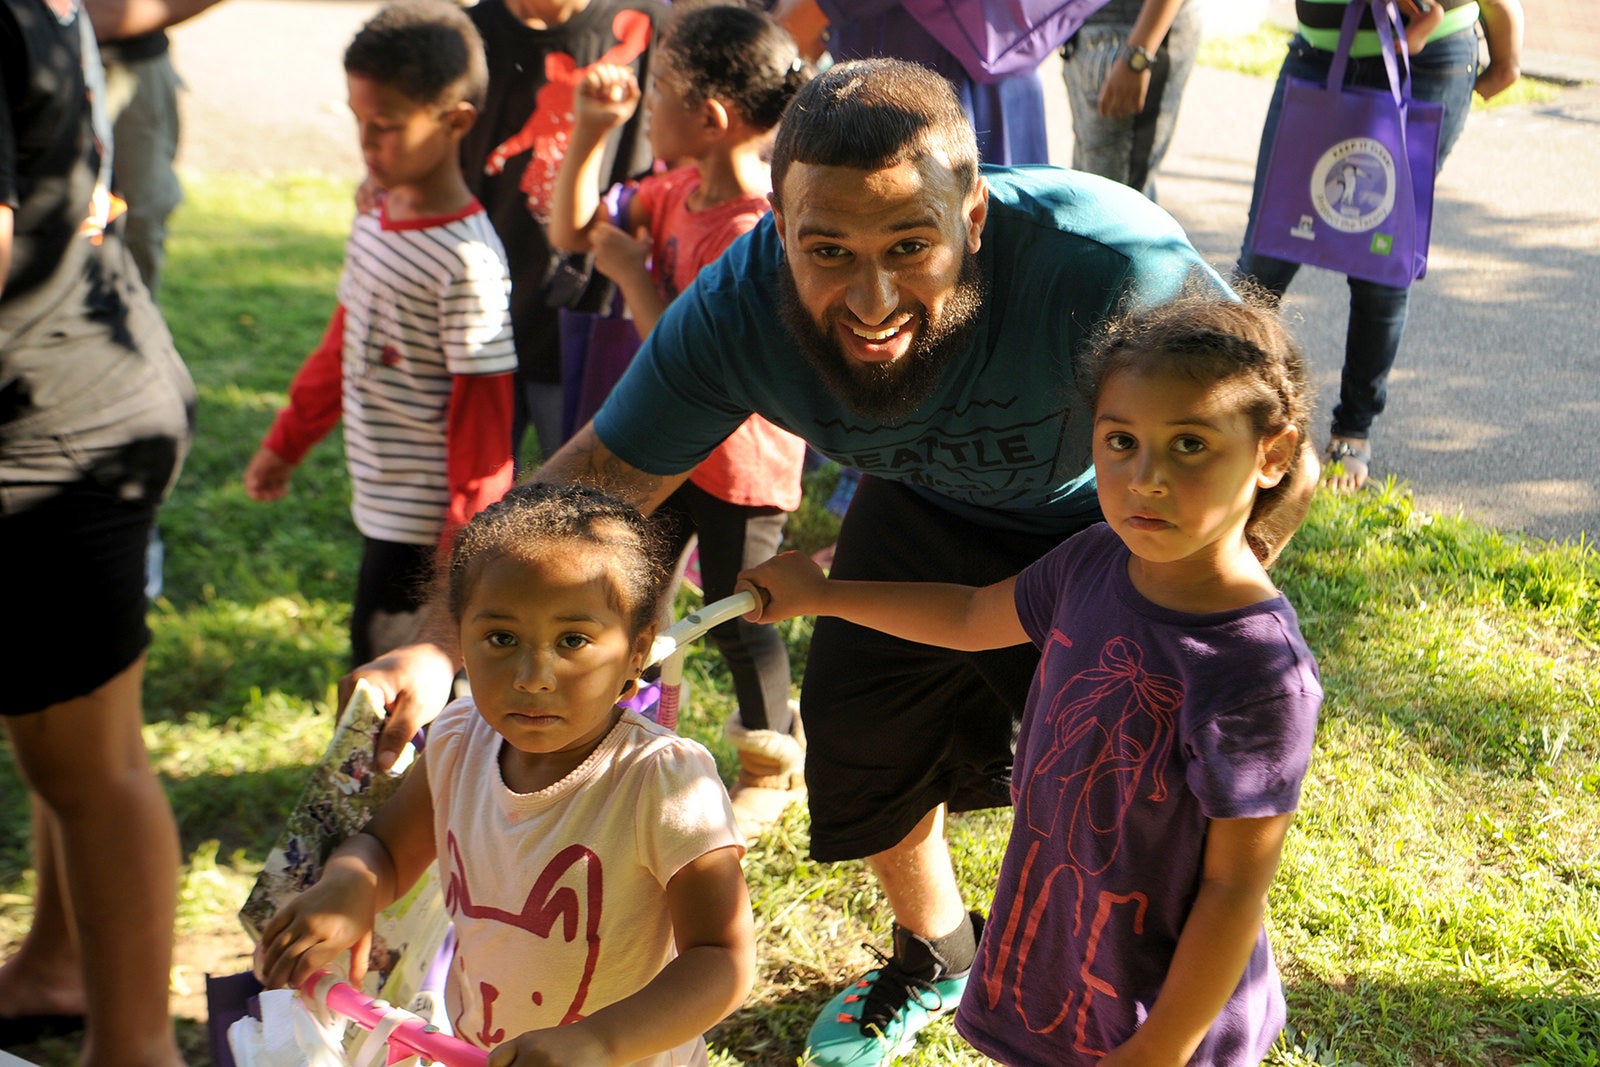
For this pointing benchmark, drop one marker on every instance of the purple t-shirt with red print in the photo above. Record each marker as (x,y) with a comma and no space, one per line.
(1142,725)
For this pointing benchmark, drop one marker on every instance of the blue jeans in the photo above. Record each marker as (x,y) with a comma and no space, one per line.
(146,139)
(1443,73)
(1127,150)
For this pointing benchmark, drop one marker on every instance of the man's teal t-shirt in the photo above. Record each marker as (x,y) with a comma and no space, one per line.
(1004,439)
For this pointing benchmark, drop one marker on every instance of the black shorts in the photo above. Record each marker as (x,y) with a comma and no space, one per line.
(97,416)
(75,593)
(393,585)
(895,728)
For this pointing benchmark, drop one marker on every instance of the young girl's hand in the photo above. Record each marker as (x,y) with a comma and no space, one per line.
(786,585)
(560,1046)
(616,254)
(313,929)
(607,97)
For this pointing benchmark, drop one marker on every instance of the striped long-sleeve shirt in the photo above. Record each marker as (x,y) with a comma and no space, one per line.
(422,330)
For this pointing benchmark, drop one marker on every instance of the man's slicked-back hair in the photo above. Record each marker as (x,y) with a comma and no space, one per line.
(428,50)
(871,114)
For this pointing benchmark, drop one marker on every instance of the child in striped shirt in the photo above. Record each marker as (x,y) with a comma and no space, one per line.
(418,357)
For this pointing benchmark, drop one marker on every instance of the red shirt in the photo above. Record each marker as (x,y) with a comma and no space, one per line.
(759,465)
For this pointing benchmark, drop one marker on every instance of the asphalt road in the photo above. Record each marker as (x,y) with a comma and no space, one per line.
(1494,403)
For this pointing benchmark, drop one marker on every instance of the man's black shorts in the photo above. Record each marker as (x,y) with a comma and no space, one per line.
(895,728)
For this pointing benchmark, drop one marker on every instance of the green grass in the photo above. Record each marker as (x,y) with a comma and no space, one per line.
(1439,901)
(1260,54)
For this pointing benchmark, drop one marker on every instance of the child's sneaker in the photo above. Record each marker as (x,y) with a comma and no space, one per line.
(878,1018)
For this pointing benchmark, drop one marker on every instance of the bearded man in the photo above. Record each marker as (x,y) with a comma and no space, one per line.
(914,316)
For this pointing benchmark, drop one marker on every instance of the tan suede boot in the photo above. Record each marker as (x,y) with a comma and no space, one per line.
(771,773)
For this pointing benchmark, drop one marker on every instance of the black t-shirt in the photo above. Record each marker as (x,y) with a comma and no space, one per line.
(511,155)
(82,347)
(48,157)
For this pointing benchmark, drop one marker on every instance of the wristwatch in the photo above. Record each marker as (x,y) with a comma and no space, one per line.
(1138,59)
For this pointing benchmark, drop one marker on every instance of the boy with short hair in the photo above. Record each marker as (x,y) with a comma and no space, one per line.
(418,357)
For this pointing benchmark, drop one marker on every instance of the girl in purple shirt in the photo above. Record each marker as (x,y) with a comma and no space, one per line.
(1170,722)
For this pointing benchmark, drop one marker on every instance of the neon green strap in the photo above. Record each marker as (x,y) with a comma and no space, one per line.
(1366,43)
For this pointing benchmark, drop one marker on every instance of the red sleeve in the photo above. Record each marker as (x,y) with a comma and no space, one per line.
(642,201)
(478,437)
(315,397)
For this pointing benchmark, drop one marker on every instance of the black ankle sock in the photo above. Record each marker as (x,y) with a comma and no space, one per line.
(959,947)
(939,957)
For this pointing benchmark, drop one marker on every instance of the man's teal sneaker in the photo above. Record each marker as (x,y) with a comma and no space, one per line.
(877,1019)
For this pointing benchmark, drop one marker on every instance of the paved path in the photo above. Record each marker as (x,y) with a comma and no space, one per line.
(1497,393)
(1494,400)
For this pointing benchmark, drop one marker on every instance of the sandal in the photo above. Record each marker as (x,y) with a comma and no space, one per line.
(18,1030)
(1346,463)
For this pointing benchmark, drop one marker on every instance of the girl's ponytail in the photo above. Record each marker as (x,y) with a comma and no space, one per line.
(739,56)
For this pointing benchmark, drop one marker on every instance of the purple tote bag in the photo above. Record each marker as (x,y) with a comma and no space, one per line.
(596,347)
(995,39)
(1349,183)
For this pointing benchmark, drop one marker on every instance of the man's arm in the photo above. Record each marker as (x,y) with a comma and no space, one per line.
(1271,529)
(586,459)
(116,19)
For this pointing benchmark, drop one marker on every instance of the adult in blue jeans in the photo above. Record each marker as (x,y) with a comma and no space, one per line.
(1445,70)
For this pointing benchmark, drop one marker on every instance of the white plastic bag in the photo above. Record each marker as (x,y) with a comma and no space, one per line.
(288,1034)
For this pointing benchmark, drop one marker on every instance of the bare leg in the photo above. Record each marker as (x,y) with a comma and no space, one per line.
(917,877)
(86,763)
(45,977)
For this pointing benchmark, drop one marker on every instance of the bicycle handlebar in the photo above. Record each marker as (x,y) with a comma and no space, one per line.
(406,1033)
(694,625)
(671,646)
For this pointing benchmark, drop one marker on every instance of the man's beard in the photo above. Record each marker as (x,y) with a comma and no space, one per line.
(888,392)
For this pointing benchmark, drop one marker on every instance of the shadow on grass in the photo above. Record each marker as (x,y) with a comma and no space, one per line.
(243,813)
(296,652)
(193,1045)
(773,1031)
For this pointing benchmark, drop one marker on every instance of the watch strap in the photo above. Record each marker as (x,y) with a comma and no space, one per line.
(1138,59)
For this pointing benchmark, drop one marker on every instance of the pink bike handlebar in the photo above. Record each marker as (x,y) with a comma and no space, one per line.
(406,1034)
(672,644)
